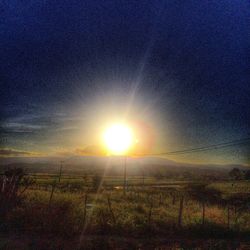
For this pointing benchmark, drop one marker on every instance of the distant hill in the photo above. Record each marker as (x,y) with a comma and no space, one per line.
(115,166)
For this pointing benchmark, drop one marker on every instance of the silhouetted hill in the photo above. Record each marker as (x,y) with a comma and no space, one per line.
(153,166)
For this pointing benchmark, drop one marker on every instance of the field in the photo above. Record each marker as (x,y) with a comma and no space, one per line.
(89,210)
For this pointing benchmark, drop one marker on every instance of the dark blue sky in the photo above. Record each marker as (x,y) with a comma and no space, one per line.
(181,65)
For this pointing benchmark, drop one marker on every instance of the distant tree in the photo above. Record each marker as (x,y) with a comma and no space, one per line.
(235,174)
(247,175)
(13,183)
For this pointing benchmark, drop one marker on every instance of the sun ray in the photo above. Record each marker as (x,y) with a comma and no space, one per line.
(118,139)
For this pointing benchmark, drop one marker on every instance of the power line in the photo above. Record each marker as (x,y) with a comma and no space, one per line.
(244,141)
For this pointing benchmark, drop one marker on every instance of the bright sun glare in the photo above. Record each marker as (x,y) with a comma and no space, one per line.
(118,138)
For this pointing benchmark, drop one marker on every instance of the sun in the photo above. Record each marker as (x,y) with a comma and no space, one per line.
(118,138)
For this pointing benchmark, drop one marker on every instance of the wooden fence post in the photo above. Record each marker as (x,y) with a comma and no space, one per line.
(180,211)
(85,208)
(150,212)
(160,199)
(173,196)
(228,216)
(203,213)
(110,210)
(52,192)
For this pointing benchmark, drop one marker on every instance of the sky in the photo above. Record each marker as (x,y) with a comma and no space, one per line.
(179,69)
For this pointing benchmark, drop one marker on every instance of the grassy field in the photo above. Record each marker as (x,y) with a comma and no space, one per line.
(108,181)
(232,187)
(178,210)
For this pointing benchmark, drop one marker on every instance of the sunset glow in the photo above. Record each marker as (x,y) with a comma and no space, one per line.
(118,139)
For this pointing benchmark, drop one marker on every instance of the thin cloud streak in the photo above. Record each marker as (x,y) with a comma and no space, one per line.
(15,153)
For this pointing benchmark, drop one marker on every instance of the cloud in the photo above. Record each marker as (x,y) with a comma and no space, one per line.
(37,123)
(14,153)
(14,127)
(91,150)
(65,153)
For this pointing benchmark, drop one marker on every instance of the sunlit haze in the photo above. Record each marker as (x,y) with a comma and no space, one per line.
(118,138)
(175,71)
(124,124)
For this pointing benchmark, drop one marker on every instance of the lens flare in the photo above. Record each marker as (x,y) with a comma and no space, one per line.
(118,139)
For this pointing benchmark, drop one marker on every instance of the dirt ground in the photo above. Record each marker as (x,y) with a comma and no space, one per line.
(35,242)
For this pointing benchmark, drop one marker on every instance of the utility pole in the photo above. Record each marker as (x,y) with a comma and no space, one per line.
(143,178)
(60,172)
(125,176)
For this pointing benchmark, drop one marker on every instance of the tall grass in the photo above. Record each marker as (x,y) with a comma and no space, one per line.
(139,213)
